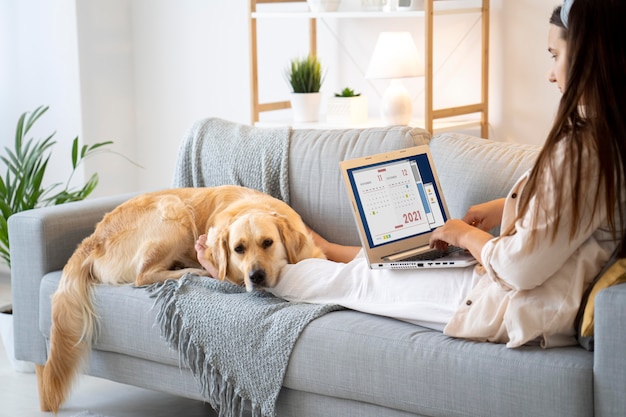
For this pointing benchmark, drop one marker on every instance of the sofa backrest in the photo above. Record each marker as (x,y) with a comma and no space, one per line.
(316,188)
(471,171)
(215,152)
(474,170)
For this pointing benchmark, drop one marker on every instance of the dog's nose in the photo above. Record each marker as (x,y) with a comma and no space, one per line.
(257,277)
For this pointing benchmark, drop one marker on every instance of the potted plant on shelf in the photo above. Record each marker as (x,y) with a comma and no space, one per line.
(22,188)
(305,78)
(347,107)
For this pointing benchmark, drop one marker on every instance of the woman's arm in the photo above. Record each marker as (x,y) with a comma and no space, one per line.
(485,216)
(471,232)
(334,251)
(542,242)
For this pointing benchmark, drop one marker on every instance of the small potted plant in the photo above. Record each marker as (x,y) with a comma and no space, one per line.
(347,92)
(347,107)
(305,77)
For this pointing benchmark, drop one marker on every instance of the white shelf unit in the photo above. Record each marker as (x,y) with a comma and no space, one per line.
(431,9)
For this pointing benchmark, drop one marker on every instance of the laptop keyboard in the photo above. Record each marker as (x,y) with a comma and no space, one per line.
(432,254)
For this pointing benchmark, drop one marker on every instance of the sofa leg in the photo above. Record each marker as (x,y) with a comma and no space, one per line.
(42,403)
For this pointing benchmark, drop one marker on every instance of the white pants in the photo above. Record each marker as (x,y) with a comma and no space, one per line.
(428,297)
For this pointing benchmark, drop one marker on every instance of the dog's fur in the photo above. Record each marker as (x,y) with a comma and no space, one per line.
(150,238)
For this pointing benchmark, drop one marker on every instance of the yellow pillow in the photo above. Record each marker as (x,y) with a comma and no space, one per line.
(616,274)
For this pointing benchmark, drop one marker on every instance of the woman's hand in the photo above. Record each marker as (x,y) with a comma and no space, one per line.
(451,233)
(457,232)
(200,247)
(485,216)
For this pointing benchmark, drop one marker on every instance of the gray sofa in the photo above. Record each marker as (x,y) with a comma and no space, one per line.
(345,363)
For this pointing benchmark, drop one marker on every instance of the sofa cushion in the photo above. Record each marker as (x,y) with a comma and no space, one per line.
(315,178)
(498,167)
(377,360)
(127,321)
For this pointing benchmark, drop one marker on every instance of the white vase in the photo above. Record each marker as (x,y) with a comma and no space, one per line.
(306,107)
(6,333)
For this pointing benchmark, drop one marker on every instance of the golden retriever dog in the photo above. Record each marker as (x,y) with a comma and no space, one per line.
(151,238)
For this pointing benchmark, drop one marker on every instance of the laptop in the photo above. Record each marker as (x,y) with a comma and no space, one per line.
(397,203)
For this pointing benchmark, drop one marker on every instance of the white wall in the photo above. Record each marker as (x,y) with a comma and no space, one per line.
(106,63)
(524,104)
(139,72)
(39,57)
(190,62)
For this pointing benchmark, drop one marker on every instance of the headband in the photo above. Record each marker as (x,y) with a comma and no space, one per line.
(567,4)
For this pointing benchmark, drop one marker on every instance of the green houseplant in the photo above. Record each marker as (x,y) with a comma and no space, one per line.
(347,92)
(305,77)
(305,74)
(22,186)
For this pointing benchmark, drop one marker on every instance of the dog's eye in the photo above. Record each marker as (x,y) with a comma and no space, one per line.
(240,249)
(267,243)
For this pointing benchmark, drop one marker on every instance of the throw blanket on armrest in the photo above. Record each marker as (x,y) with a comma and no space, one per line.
(219,152)
(236,343)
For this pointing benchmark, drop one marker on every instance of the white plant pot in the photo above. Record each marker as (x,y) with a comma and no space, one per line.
(306,107)
(323,5)
(347,110)
(6,333)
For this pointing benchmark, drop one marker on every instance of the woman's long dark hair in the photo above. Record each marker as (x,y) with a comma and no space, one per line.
(591,118)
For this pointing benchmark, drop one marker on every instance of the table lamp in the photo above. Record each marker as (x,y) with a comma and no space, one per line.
(395,57)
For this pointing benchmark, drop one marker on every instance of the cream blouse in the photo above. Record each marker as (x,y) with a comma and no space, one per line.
(532,294)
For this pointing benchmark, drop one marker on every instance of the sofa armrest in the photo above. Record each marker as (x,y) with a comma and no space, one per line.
(41,241)
(609,368)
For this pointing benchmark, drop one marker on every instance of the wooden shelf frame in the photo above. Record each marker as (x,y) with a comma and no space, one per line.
(257,106)
(431,9)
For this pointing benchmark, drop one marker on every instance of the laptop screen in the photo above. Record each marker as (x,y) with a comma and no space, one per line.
(397,199)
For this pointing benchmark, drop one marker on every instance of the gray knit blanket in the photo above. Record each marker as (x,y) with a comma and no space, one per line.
(218,152)
(237,344)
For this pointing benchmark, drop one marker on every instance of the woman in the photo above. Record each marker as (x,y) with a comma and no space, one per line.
(561,221)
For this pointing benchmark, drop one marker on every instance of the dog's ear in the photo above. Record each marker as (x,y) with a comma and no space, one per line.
(218,251)
(293,240)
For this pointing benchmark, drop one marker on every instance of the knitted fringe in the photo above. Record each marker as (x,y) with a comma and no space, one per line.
(207,320)
(225,399)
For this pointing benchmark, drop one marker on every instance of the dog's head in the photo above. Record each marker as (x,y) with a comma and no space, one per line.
(253,248)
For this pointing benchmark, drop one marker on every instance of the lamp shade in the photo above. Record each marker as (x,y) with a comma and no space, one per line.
(395,56)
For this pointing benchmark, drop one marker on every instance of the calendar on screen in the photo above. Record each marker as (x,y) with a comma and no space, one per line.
(396,201)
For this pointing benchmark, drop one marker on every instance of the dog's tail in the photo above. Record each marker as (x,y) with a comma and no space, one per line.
(73,328)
